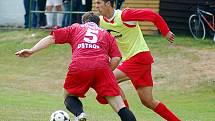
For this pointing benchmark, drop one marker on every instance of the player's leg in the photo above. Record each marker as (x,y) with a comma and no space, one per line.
(146,97)
(108,92)
(76,85)
(138,69)
(121,77)
(73,104)
(118,106)
(143,83)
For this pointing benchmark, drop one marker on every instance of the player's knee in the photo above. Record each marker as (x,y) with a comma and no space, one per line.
(67,101)
(147,102)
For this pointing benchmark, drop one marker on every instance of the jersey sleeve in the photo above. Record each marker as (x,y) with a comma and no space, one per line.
(146,15)
(63,35)
(114,50)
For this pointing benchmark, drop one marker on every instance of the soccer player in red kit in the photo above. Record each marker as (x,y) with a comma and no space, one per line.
(94,56)
(137,59)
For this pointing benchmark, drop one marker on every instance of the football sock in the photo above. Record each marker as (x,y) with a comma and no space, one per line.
(126,103)
(74,105)
(164,112)
(126,115)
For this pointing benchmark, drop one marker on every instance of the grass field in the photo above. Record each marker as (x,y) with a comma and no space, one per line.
(31,88)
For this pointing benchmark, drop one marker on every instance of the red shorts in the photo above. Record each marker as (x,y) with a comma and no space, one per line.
(77,83)
(138,69)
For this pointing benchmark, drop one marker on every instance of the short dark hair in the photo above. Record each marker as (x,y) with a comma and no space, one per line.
(111,2)
(90,16)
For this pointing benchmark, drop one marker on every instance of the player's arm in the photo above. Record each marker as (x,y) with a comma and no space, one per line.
(151,16)
(114,62)
(43,43)
(114,52)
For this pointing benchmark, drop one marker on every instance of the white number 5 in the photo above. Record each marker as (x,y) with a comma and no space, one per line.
(91,34)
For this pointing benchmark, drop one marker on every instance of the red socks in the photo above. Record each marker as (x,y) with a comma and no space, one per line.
(164,112)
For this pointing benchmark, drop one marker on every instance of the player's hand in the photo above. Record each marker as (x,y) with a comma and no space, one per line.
(170,37)
(24,53)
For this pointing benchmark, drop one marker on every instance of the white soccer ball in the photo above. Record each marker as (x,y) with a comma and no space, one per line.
(60,115)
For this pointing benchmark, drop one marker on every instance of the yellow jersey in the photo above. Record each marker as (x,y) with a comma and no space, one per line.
(129,39)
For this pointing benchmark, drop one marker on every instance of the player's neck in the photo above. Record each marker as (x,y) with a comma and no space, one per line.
(111,15)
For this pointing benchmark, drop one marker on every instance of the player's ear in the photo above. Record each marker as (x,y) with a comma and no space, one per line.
(108,3)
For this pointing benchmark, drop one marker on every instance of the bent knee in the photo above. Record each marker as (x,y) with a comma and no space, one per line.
(149,103)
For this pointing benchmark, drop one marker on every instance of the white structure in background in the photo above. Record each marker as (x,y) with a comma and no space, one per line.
(12,13)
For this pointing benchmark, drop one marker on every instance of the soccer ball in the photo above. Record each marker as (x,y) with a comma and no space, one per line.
(60,115)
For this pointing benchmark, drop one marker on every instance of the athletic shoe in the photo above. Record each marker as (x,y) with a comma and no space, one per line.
(46,27)
(81,117)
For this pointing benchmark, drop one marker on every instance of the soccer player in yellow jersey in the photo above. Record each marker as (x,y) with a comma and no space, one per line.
(137,59)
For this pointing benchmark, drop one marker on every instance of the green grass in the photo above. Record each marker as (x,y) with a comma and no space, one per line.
(31,88)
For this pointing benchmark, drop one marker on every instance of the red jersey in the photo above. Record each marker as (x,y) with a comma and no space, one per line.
(91,46)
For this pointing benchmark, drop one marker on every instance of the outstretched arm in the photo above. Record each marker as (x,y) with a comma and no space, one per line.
(151,16)
(43,43)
